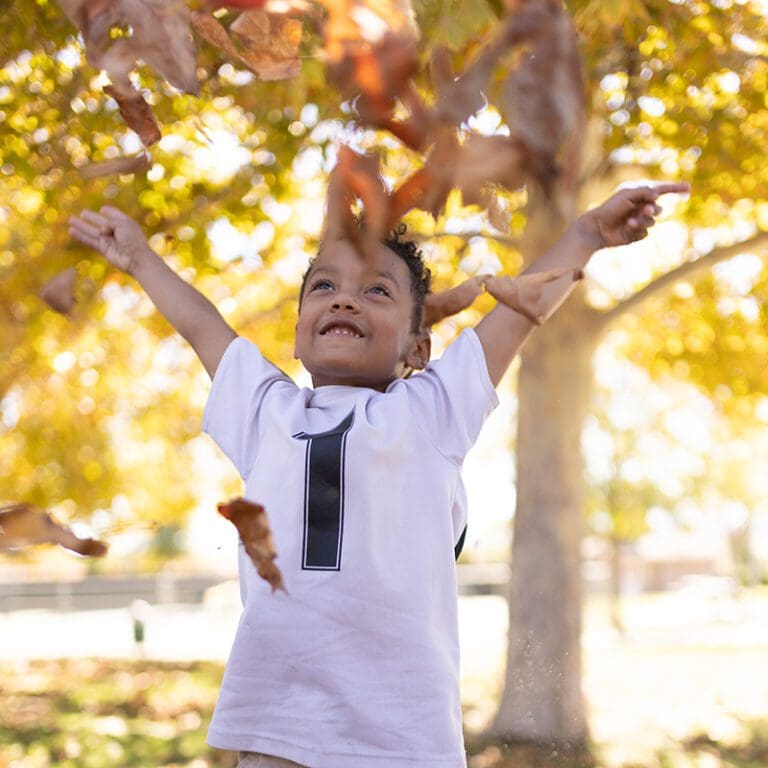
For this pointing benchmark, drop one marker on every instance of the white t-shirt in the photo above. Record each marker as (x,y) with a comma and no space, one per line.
(358,665)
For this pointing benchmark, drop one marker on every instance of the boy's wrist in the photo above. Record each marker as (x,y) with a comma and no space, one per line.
(139,261)
(587,230)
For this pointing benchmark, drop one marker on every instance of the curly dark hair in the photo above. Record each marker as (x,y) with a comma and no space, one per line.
(410,253)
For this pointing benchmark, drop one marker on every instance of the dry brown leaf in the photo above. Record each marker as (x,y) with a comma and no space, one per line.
(159,35)
(525,293)
(270,44)
(414,192)
(488,160)
(496,213)
(118,165)
(543,98)
(438,306)
(162,38)
(59,292)
(211,29)
(267,44)
(250,519)
(23,525)
(375,73)
(136,113)
(354,177)
(94,18)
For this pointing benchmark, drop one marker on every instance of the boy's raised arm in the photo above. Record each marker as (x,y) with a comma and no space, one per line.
(623,218)
(124,245)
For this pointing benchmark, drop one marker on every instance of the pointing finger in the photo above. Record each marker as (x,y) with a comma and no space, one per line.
(681,188)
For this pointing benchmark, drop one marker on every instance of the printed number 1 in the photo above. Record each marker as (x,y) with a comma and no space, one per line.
(324,497)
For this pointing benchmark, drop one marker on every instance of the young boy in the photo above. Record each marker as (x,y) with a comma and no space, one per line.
(357,666)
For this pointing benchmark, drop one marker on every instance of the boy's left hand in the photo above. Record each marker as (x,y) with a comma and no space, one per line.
(626,216)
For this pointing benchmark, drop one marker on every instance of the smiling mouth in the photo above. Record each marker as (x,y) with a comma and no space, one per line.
(342,330)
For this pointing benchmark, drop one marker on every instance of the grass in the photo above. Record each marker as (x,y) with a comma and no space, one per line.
(135,714)
(86,713)
(684,688)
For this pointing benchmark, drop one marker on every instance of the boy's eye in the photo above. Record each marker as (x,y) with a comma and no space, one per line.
(381,290)
(323,285)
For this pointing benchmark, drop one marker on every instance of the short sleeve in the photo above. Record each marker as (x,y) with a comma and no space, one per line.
(453,396)
(231,416)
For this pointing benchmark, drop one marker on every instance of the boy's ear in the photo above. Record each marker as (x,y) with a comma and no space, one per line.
(418,357)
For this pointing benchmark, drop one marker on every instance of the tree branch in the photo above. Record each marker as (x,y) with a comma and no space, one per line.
(757,243)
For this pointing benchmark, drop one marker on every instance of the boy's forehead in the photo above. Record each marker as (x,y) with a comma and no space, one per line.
(342,258)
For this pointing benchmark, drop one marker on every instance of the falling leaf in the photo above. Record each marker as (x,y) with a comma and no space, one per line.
(375,73)
(212,30)
(251,522)
(162,38)
(270,44)
(438,306)
(94,18)
(496,213)
(118,165)
(24,525)
(159,34)
(484,160)
(543,98)
(59,292)
(354,177)
(525,293)
(136,113)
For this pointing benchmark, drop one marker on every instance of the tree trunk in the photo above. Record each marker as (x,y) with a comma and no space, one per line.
(542,700)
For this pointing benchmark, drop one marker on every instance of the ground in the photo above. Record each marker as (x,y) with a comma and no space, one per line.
(685,687)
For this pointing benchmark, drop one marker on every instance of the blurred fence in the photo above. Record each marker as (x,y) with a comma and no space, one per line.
(95,592)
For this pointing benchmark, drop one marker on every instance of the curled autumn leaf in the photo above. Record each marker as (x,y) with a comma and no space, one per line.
(136,113)
(357,177)
(266,43)
(250,519)
(24,525)
(59,292)
(269,43)
(525,293)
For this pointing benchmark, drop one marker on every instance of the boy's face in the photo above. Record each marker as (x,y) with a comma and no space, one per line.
(356,318)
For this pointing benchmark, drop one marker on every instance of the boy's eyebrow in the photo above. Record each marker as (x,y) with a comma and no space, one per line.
(389,276)
(332,269)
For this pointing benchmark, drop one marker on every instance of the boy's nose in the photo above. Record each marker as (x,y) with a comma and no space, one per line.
(345,302)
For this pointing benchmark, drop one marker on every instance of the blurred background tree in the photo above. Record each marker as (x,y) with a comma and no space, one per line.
(105,404)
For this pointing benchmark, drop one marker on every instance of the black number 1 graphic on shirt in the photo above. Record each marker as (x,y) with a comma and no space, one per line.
(324,497)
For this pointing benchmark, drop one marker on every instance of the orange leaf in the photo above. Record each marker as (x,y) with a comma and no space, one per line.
(251,522)
(23,525)
(136,113)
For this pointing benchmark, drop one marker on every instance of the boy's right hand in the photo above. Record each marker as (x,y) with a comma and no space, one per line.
(110,231)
